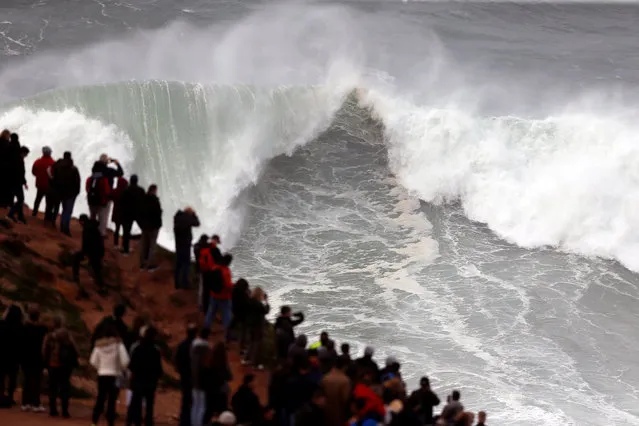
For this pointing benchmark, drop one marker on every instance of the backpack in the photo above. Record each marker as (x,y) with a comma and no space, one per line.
(94,195)
(213,281)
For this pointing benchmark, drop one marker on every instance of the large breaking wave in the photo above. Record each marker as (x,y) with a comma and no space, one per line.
(570,181)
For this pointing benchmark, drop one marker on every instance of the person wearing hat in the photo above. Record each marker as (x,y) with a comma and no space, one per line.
(41,171)
(226,419)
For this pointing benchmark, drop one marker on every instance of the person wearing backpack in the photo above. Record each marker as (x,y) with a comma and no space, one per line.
(110,359)
(98,193)
(60,356)
(221,286)
(65,182)
(150,222)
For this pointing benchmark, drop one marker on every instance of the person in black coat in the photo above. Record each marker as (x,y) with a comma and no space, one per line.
(285,330)
(312,413)
(66,183)
(33,334)
(5,192)
(131,201)
(17,179)
(150,222)
(113,320)
(245,403)
(11,328)
(240,299)
(93,250)
(183,223)
(256,310)
(110,173)
(183,365)
(424,400)
(146,371)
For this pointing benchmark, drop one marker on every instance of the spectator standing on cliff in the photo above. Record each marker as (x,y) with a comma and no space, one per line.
(17,181)
(313,412)
(110,358)
(113,320)
(453,408)
(93,250)
(111,175)
(367,364)
(131,202)
(40,170)
(5,191)
(116,216)
(183,365)
(285,330)
(257,310)
(66,183)
(11,328)
(183,223)
(60,356)
(150,222)
(221,376)
(98,194)
(208,258)
(240,301)
(425,400)
(33,334)
(221,286)
(337,387)
(246,404)
(146,371)
(201,374)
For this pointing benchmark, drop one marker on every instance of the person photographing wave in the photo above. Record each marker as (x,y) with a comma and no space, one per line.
(183,223)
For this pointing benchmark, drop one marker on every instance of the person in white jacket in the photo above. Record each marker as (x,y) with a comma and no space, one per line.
(110,359)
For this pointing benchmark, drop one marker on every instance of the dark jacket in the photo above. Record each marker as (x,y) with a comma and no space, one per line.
(183,224)
(424,400)
(183,362)
(120,326)
(310,415)
(256,313)
(18,177)
(246,406)
(200,364)
(32,335)
(111,173)
(151,215)
(131,201)
(299,391)
(66,179)
(10,336)
(146,365)
(285,330)
(368,364)
(240,299)
(92,241)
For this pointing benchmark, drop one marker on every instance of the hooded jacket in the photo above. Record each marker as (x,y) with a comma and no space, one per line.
(227,290)
(40,170)
(109,357)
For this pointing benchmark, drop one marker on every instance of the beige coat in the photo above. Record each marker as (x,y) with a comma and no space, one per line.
(337,387)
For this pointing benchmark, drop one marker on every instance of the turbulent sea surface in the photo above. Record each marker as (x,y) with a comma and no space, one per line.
(455,183)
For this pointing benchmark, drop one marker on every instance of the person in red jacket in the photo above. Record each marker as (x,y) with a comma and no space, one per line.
(368,404)
(221,300)
(98,196)
(40,170)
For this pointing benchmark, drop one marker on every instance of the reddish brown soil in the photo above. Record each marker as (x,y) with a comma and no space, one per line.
(151,295)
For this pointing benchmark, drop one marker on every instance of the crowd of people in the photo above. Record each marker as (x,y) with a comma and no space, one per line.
(310,385)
